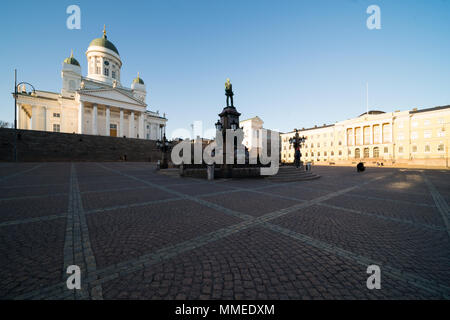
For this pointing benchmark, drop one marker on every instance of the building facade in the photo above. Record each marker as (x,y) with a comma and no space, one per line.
(253,131)
(416,137)
(97,104)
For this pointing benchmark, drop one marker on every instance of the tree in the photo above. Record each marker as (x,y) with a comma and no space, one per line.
(4,124)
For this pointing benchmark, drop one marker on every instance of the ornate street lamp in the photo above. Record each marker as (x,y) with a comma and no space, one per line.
(297,142)
(16,85)
(234,126)
(165,147)
(219,125)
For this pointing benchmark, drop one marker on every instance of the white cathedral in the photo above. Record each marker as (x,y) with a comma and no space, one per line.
(97,104)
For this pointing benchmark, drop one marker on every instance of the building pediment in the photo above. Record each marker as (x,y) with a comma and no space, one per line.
(109,96)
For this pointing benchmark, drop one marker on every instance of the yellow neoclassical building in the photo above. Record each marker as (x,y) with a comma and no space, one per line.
(411,138)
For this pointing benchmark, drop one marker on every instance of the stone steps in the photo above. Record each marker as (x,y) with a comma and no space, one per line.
(290,174)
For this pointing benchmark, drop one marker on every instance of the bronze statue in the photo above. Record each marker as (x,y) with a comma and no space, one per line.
(229,93)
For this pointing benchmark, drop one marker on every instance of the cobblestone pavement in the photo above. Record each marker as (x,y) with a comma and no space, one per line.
(137,234)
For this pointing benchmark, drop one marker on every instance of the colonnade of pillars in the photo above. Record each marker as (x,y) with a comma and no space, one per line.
(354,139)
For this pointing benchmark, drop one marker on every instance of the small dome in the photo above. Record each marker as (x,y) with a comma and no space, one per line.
(104,42)
(72,60)
(138,80)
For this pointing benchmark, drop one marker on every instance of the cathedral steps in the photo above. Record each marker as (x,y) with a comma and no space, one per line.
(291,174)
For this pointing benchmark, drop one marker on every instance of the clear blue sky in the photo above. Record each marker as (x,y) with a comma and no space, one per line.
(292,63)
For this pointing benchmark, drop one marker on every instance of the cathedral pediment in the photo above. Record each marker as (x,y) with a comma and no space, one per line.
(109,96)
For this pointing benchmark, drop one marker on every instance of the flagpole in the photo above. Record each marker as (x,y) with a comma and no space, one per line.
(367,97)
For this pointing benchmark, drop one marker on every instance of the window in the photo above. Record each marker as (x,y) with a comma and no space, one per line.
(400,150)
(366,152)
(358,135)
(357,153)
(440,147)
(387,131)
(427,148)
(441,121)
(56,115)
(318,154)
(350,137)
(312,145)
(414,136)
(415,124)
(400,136)
(56,128)
(427,134)
(106,72)
(340,143)
(376,134)
(306,154)
(113,74)
(325,154)
(400,124)
(332,153)
(367,135)
(426,122)
(340,152)
(318,144)
(97,70)
(376,152)
(414,149)
(441,133)
(386,150)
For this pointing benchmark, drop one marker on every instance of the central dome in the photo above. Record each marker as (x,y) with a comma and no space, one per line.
(104,42)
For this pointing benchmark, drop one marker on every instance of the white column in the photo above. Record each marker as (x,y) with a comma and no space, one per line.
(81,118)
(94,120)
(26,120)
(121,124)
(371,134)
(108,122)
(131,125)
(34,118)
(354,136)
(141,126)
(44,117)
(19,116)
(392,132)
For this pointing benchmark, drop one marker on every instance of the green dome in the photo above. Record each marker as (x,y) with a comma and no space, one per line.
(138,80)
(72,60)
(104,42)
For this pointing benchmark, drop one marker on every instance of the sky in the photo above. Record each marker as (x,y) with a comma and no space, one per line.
(292,63)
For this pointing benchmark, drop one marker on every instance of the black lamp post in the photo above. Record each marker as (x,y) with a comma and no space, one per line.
(219,125)
(165,147)
(297,141)
(15,109)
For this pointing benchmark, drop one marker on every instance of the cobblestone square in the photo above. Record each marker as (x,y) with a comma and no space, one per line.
(139,234)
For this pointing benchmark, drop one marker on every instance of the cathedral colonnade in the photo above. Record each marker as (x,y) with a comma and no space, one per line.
(90,118)
(104,120)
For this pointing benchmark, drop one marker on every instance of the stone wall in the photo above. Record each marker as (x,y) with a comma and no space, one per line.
(35,146)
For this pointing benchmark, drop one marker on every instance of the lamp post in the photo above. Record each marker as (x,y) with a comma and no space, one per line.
(15,109)
(297,142)
(165,147)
